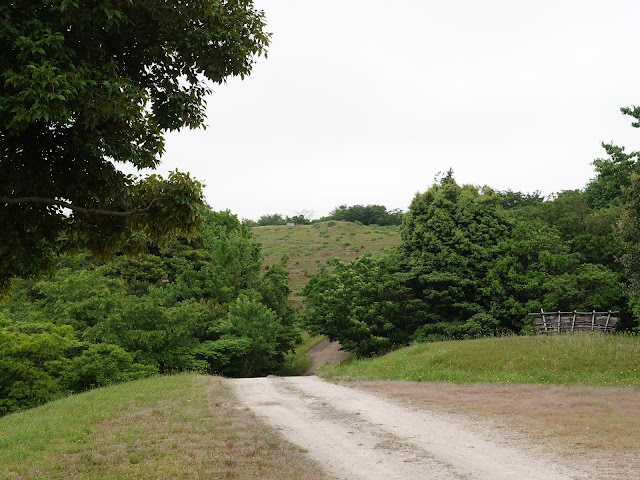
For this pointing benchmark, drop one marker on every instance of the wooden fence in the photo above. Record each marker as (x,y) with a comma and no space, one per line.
(561,322)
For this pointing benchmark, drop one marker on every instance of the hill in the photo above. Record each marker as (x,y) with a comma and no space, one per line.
(308,247)
(180,427)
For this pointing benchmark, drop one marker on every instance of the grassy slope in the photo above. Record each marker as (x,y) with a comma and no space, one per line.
(184,426)
(310,246)
(585,359)
(297,362)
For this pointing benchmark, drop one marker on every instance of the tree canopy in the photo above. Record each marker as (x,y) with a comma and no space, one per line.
(474,262)
(88,84)
(205,305)
(366,214)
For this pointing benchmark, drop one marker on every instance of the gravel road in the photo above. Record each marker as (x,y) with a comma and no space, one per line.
(356,435)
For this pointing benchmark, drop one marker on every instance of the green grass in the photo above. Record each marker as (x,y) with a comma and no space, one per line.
(582,359)
(297,362)
(308,248)
(179,427)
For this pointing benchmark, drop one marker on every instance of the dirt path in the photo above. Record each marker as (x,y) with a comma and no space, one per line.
(325,352)
(357,435)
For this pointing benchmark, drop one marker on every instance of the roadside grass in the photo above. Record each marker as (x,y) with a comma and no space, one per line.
(579,359)
(310,247)
(171,427)
(297,362)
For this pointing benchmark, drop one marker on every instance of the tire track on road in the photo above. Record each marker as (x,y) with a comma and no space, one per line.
(356,435)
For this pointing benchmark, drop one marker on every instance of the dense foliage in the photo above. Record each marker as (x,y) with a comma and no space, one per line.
(278,219)
(85,85)
(366,214)
(474,262)
(206,305)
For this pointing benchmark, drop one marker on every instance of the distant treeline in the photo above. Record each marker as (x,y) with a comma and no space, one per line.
(363,214)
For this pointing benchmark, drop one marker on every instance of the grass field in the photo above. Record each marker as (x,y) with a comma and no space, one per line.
(310,246)
(581,359)
(173,427)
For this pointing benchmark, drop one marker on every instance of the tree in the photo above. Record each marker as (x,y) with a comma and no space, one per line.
(367,215)
(450,237)
(251,340)
(273,219)
(298,219)
(613,175)
(88,84)
(364,304)
(511,199)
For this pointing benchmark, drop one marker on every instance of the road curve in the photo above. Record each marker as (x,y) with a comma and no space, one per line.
(356,435)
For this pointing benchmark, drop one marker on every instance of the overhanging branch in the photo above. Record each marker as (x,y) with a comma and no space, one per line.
(75,208)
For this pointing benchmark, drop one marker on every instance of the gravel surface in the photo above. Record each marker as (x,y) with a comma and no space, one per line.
(357,435)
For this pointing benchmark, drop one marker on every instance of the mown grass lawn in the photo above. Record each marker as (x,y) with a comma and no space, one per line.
(580,359)
(167,427)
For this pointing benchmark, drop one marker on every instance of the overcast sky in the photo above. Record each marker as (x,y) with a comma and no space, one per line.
(364,102)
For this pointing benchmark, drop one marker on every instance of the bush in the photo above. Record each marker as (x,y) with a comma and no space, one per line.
(101,365)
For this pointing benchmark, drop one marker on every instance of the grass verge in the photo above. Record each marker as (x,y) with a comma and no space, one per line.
(173,427)
(581,359)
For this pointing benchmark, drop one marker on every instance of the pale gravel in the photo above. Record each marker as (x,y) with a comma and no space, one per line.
(356,435)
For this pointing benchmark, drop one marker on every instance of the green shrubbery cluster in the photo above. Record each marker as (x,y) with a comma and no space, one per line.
(205,305)
(473,262)
(278,219)
(366,215)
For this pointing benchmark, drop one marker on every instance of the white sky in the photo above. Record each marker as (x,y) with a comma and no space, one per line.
(365,102)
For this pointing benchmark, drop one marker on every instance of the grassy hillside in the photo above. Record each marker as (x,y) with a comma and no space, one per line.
(586,359)
(310,246)
(183,426)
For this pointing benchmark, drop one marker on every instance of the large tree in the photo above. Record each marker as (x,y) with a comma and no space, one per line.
(88,84)
(450,238)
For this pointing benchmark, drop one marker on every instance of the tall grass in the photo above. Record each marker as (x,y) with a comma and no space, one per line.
(586,359)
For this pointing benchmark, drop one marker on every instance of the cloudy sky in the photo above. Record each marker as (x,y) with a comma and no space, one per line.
(365,102)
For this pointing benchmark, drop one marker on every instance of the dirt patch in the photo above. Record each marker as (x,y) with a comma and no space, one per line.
(596,426)
(325,353)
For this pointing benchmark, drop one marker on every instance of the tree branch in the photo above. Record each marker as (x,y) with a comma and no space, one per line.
(75,208)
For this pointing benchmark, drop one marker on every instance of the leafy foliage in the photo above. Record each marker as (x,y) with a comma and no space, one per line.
(273,219)
(450,240)
(85,85)
(251,340)
(613,176)
(204,306)
(472,263)
(278,219)
(366,214)
(363,304)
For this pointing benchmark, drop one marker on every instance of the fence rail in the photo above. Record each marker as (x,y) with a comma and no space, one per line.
(561,322)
